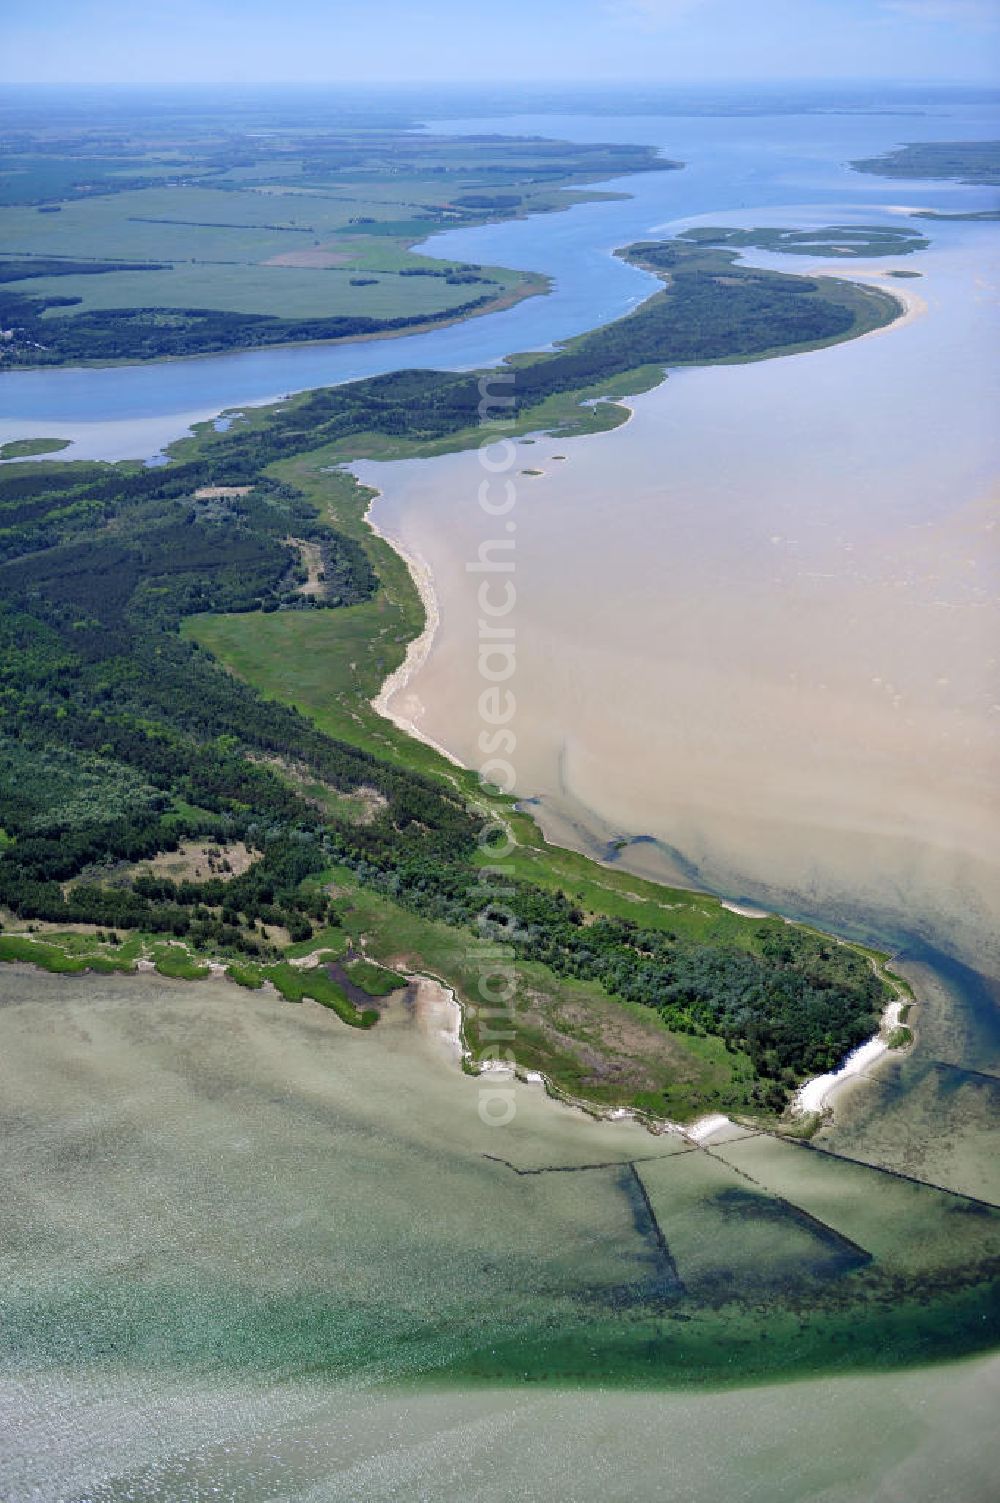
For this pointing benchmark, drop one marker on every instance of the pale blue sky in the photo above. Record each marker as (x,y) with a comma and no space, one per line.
(238,41)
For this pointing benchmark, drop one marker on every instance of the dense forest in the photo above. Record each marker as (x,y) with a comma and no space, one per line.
(120,738)
(106,334)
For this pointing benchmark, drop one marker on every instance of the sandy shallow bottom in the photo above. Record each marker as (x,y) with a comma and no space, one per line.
(238,1241)
(933,1111)
(917,1436)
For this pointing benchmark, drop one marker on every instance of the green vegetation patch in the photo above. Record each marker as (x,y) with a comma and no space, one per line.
(117,586)
(295,983)
(960,161)
(24,448)
(276,291)
(376,980)
(847,241)
(54,955)
(274,236)
(177,962)
(245,975)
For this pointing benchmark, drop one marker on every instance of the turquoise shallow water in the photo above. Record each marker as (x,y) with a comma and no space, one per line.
(214,1192)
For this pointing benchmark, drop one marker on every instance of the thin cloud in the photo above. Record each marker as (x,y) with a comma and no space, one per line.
(976,12)
(654,14)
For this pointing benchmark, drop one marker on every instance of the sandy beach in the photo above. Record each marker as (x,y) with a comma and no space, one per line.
(816,1095)
(416,653)
(914,306)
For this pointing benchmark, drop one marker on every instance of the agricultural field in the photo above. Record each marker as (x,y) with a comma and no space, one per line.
(360,286)
(136,244)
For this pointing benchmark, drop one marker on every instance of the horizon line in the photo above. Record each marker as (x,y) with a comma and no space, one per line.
(985,85)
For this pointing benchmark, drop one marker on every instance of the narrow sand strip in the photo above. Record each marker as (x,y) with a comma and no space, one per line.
(706,1127)
(816,1095)
(744,910)
(914,306)
(416,653)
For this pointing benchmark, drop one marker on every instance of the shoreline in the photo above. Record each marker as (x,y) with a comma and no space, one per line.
(417,650)
(816,1095)
(697,1132)
(504,300)
(813,1098)
(914,306)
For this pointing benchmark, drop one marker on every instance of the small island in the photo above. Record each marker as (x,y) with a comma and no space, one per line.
(28,448)
(973,216)
(974,162)
(851,240)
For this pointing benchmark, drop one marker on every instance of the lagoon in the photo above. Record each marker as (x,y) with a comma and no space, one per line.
(757,625)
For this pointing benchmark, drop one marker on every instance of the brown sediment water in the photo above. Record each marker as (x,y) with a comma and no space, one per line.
(759,624)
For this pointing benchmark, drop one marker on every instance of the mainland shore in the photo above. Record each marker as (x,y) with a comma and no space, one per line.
(814,1096)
